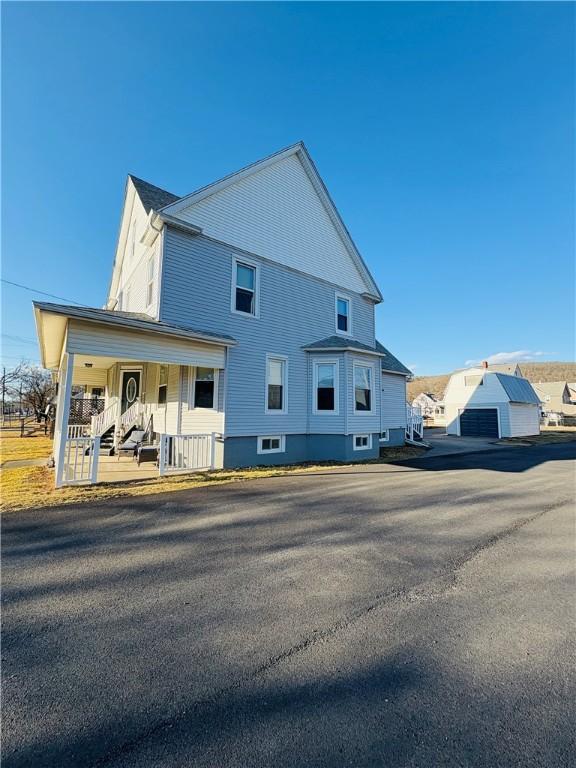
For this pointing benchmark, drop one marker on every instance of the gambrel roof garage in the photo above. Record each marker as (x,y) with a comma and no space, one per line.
(480,402)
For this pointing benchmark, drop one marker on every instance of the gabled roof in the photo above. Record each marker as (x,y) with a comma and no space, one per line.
(510,368)
(552,388)
(391,364)
(519,390)
(153,198)
(340,344)
(298,149)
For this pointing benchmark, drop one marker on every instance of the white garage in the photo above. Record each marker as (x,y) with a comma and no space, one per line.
(480,402)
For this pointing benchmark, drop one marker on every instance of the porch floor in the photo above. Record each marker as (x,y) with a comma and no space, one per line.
(112,469)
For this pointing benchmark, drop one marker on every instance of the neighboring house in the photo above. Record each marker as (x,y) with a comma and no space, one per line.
(430,406)
(482,402)
(555,396)
(240,321)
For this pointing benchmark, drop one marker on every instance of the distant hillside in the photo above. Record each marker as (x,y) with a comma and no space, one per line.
(533,371)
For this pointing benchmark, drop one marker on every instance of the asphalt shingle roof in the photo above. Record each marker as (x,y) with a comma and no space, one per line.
(134,320)
(518,390)
(340,343)
(391,363)
(153,198)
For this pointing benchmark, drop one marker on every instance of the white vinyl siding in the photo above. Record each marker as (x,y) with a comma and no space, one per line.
(524,419)
(277,213)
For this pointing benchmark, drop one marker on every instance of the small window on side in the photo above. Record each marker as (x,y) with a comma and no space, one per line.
(362,442)
(276,385)
(272,444)
(204,388)
(343,314)
(385,436)
(245,285)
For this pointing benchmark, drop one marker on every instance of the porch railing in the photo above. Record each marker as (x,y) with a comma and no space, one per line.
(103,421)
(186,453)
(81,460)
(78,430)
(414,423)
(131,415)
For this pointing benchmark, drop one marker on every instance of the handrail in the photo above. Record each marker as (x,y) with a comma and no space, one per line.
(130,415)
(186,453)
(103,421)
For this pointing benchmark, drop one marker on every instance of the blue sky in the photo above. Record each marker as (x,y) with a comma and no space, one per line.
(443,131)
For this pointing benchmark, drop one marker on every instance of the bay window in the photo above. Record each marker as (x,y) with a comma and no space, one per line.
(362,388)
(325,387)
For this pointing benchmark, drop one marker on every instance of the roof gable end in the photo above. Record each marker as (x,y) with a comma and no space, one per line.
(279,208)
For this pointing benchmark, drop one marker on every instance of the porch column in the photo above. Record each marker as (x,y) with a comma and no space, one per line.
(62,411)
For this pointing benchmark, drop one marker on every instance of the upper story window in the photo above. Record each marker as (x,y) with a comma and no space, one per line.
(163,385)
(325,387)
(343,314)
(362,388)
(204,388)
(245,288)
(276,384)
(150,281)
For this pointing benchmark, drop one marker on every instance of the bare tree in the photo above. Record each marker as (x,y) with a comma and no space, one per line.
(37,388)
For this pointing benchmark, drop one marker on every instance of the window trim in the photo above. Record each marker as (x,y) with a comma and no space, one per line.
(150,282)
(315,364)
(236,260)
(361,364)
(345,297)
(192,388)
(274,411)
(260,450)
(366,447)
(384,439)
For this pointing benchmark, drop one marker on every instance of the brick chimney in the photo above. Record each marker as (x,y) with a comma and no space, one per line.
(484,363)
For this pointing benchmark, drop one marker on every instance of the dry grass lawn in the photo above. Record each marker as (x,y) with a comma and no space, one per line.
(547,435)
(14,447)
(33,487)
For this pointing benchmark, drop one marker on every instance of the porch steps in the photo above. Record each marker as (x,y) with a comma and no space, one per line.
(107,442)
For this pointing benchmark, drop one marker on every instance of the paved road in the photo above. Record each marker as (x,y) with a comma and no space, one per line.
(414,615)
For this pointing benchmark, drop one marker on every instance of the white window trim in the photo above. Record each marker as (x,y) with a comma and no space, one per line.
(192,388)
(249,263)
(366,447)
(150,282)
(284,410)
(159,405)
(385,436)
(282,448)
(315,364)
(372,411)
(349,300)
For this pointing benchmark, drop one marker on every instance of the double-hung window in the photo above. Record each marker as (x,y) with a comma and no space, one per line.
(276,384)
(204,385)
(325,387)
(163,385)
(362,388)
(343,315)
(245,288)
(150,283)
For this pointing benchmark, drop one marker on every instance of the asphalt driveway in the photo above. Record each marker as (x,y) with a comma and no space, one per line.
(414,615)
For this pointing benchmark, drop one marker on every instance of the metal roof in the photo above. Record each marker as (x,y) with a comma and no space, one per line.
(153,198)
(133,320)
(390,363)
(519,390)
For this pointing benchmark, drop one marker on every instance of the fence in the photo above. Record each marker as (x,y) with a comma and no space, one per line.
(186,453)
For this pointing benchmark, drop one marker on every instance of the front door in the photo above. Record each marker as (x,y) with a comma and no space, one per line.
(130,388)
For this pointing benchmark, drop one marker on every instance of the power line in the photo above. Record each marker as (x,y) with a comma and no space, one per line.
(43,293)
(19,339)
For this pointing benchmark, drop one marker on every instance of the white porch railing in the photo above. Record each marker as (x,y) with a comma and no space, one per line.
(81,460)
(130,416)
(78,430)
(414,423)
(186,453)
(103,421)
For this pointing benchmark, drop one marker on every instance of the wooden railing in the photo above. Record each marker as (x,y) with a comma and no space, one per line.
(186,453)
(414,423)
(103,421)
(81,460)
(130,416)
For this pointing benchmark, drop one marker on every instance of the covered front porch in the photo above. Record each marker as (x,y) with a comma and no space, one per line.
(163,395)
